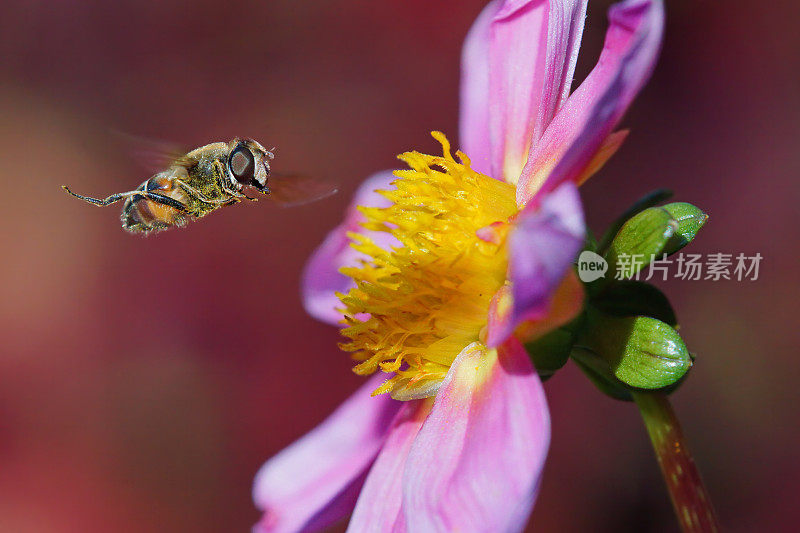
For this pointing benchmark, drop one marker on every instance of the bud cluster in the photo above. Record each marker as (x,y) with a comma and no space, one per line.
(626,339)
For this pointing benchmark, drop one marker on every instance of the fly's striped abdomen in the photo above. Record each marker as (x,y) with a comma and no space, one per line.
(163,207)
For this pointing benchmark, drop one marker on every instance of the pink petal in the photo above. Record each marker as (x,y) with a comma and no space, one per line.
(568,303)
(530,48)
(315,481)
(542,247)
(608,148)
(477,461)
(573,138)
(378,506)
(321,277)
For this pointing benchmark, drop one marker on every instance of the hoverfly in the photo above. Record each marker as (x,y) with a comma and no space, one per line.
(205,179)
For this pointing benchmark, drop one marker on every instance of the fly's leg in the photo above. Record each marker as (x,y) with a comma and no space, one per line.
(105,201)
(237,194)
(121,196)
(165,200)
(200,196)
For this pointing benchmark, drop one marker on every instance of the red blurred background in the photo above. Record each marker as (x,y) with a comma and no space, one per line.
(140,392)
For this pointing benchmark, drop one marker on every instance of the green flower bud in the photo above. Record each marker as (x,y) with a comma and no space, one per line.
(689,218)
(640,352)
(644,238)
(649,200)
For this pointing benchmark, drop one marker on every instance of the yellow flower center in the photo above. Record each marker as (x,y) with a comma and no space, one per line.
(417,305)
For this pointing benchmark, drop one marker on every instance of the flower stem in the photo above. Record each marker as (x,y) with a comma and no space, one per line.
(689,497)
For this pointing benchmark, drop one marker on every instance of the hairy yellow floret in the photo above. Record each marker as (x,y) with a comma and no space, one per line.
(417,305)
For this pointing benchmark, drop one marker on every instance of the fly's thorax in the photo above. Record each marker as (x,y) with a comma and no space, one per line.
(234,165)
(209,176)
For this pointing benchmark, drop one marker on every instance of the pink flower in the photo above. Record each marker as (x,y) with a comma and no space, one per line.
(438,273)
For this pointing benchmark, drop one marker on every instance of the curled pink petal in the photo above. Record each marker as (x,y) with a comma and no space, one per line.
(573,138)
(378,507)
(542,247)
(321,277)
(530,48)
(476,463)
(315,481)
(474,116)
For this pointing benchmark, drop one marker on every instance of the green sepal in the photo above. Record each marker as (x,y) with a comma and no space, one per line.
(628,298)
(550,352)
(643,238)
(689,218)
(641,352)
(596,369)
(590,242)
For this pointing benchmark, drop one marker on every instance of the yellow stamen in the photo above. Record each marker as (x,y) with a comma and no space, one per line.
(428,298)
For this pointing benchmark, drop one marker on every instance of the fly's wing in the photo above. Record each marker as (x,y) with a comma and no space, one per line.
(152,155)
(289,190)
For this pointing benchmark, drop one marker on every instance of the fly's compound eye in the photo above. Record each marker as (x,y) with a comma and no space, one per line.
(242,165)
